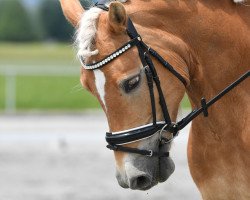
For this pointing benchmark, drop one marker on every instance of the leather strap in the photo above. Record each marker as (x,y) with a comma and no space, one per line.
(148,153)
(162,100)
(204,107)
(167,65)
(102,5)
(151,92)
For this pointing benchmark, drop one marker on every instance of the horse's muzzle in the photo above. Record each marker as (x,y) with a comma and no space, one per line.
(142,173)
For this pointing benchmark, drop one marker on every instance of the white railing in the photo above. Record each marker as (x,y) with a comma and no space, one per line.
(10,74)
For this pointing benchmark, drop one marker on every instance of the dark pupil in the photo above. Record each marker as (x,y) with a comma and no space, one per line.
(131,84)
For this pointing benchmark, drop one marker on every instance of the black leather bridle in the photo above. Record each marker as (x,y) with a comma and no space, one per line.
(116,140)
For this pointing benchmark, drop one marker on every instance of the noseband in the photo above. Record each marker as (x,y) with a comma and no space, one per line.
(116,140)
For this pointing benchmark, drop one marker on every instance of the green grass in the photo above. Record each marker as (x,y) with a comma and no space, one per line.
(36,54)
(49,93)
(46,92)
(53,93)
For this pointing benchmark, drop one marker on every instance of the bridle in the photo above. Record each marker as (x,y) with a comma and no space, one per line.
(117,140)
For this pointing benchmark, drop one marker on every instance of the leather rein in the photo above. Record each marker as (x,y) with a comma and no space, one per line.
(116,140)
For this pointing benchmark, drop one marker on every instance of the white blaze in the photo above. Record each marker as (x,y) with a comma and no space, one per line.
(100,81)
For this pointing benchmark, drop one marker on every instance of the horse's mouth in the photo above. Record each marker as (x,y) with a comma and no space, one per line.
(166,164)
(166,168)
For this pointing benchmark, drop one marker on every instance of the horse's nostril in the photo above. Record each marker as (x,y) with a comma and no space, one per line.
(143,181)
(140,182)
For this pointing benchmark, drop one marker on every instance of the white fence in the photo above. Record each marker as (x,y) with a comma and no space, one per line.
(10,74)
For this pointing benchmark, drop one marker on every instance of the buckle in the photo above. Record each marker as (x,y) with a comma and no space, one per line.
(171,135)
(161,131)
(150,153)
(146,67)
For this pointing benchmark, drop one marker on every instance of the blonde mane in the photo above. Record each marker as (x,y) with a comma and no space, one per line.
(86,33)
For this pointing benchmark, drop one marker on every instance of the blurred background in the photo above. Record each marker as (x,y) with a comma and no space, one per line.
(51,130)
(38,69)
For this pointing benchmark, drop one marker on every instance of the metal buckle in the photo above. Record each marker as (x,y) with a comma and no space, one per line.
(167,140)
(160,136)
(150,153)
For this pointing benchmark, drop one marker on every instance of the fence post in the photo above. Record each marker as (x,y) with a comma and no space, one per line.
(10,92)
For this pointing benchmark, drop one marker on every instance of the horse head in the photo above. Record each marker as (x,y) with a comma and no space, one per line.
(206,44)
(121,85)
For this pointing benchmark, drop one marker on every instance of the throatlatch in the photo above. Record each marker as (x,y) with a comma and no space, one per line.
(117,139)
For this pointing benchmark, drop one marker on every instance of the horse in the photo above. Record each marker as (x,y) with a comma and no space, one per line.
(207,43)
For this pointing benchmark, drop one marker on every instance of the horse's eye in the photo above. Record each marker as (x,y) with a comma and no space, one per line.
(131,84)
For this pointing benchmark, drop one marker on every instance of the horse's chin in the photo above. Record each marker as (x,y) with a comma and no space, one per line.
(166,168)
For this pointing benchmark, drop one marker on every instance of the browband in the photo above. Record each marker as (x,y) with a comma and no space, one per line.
(110,57)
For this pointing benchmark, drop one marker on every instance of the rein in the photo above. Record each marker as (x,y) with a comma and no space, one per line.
(116,140)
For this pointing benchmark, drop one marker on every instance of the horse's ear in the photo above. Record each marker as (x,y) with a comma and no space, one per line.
(117,17)
(73,11)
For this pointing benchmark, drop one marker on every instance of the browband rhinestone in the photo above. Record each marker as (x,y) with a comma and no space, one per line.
(105,60)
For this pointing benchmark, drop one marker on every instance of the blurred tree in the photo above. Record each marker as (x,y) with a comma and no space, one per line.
(53,21)
(14,22)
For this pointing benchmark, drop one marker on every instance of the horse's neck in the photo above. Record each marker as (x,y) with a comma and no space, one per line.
(218,36)
(220,40)
(217,33)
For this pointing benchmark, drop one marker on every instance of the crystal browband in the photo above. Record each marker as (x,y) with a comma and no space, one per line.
(110,57)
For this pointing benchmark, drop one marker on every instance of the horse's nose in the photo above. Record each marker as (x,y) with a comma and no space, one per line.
(140,182)
(137,179)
